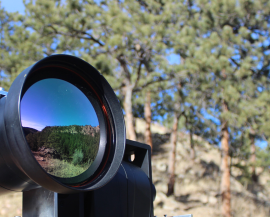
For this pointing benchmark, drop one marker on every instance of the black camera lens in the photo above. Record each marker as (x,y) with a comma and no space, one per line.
(62,127)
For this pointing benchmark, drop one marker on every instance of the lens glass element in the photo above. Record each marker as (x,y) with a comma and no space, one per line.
(60,126)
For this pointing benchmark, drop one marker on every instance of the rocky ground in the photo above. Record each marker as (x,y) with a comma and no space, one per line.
(44,155)
(197,183)
(197,186)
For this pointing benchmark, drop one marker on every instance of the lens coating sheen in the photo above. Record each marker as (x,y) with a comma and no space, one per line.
(60,126)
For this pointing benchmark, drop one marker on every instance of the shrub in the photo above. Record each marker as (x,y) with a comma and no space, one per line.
(65,169)
(77,157)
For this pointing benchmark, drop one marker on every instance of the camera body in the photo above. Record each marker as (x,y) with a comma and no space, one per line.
(63,144)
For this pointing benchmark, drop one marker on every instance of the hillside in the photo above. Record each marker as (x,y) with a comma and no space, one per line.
(197,184)
(64,151)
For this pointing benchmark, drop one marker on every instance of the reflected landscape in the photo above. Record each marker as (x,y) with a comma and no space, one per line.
(64,151)
(60,126)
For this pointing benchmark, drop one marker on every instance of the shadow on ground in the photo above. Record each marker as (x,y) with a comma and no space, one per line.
(158,141)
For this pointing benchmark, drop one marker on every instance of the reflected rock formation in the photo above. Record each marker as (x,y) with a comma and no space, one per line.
(64,151)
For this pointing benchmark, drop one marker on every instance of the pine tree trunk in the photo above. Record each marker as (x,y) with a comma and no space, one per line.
(225,173)
(129,115)
(171,169)
(148,119)
(192,148)
(254,176)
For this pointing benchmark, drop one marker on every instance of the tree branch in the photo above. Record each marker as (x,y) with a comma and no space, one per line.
(149,83)
(78,32)
(123,64)
(138,74)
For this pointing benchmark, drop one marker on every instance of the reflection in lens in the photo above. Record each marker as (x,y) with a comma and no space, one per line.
(60,126)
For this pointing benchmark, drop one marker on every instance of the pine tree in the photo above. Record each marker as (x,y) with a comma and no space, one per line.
(120,35)
(220,45)
(148,119)
(16,47)
(227,57)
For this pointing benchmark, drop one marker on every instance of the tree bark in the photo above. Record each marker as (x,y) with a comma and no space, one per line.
(148,119)
(254,176)
(192,148)
(173,141)
(131,134)
(127,91)
(225,169)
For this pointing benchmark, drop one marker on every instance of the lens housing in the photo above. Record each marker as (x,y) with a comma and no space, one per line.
(16,159)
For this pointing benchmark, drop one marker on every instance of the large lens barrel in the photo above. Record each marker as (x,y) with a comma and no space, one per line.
(61,127)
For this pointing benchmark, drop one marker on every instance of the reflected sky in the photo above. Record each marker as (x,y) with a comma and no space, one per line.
(55,102)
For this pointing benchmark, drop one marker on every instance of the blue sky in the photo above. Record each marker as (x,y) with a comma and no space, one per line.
(13,5)
(54,102)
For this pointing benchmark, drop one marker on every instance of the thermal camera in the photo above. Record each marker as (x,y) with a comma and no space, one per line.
(63,144)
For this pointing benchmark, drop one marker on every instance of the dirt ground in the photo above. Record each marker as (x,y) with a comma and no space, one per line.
(44,157)
(11,205)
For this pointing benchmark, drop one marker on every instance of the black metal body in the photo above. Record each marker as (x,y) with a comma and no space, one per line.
(129,194)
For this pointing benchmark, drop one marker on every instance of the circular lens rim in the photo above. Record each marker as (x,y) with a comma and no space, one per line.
(102,141)
(38,75)
(24,159)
